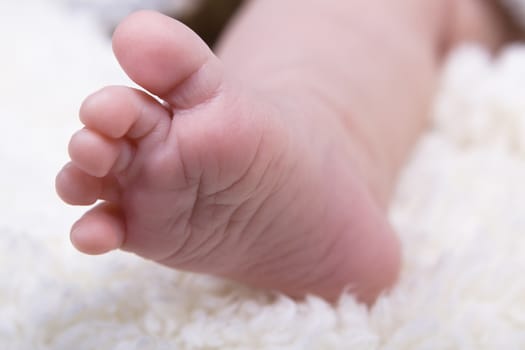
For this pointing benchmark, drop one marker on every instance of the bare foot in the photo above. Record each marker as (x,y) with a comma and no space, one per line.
(224,179)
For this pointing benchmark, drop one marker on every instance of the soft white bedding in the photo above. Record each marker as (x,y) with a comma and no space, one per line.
(460,210)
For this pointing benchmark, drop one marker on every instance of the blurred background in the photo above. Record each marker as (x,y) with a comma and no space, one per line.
(206,17)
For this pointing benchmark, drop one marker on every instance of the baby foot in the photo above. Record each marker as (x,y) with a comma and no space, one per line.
(221,178)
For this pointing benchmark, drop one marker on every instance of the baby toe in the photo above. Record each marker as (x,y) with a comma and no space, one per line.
(98,155)
(111,111)
(76,187)
(118,111)
(167,59)
(99,231)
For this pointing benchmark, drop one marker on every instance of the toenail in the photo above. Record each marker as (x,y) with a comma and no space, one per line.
(124,159)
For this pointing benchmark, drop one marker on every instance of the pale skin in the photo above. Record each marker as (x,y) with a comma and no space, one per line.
(271,162)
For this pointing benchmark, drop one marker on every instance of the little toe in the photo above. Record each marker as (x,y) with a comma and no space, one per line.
(100,230)
(118,111)
(98,155)
(167,58)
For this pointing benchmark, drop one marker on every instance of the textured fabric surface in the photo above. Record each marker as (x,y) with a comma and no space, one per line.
(459,211)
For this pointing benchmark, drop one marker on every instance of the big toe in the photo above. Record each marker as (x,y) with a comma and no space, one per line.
(167,58)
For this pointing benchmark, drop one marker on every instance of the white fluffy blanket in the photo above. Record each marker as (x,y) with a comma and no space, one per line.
(459,210)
